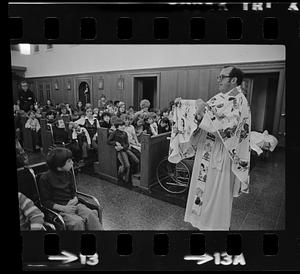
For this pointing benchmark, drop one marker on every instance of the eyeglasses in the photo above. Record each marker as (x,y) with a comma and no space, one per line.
(221,77)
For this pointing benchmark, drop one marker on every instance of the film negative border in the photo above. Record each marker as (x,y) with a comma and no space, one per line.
(135,250)
(154,24)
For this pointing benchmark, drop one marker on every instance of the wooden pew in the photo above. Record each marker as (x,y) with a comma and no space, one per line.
(154,149)
(27,136)
(107,158)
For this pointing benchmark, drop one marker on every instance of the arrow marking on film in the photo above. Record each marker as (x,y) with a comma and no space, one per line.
(66,258)
(202,259)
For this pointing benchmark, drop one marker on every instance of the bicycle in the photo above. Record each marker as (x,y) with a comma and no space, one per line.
(174,178)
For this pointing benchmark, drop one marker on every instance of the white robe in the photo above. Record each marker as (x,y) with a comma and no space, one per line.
(216,179)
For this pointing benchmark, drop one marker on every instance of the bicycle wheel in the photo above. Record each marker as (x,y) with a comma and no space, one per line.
(174,178)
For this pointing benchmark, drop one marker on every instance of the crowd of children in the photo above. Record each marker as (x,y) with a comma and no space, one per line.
(77,126)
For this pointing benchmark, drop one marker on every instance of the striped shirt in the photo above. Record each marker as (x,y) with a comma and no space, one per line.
(31,218)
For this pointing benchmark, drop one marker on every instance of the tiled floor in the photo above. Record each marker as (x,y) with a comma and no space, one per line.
(124,209)
(262,209)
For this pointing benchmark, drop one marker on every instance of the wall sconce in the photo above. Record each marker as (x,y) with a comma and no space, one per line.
(56,85)
(68,85)
(121,83)
(101,84)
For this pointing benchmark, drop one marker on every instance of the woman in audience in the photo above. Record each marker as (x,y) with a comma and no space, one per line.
(34,125)
(145,105)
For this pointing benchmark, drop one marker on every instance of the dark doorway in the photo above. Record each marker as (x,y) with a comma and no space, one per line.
(84,93)
(145,88)
(262,92)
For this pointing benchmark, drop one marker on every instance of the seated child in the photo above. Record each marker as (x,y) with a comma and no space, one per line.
(129,129)
(75,116)
(80,140)
(119,139)
(139,128)
(130,112)
(58,192)
(38,113)
(96,113)
(150,125)
(112,122)
(34,125)
(64,115)
(164,125)
(31,217)
(105,120)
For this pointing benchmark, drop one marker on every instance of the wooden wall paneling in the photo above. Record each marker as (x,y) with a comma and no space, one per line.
(213,84)
(168,87)
(204,84)
(109,86)
(56,94)
(68,92)
(181,90)
(97,91)
(128,93)
(119,93)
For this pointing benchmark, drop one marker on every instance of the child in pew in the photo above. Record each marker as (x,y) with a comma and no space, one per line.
(134,144)
(81,141)
(164,126)
(64,115)
(57,191)
(33,124)
(31,217)
(139,128)
(105,120)
(150,124)
(119,139)
(75,116)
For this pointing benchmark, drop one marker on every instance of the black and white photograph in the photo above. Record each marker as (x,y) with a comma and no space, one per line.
(167,137)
